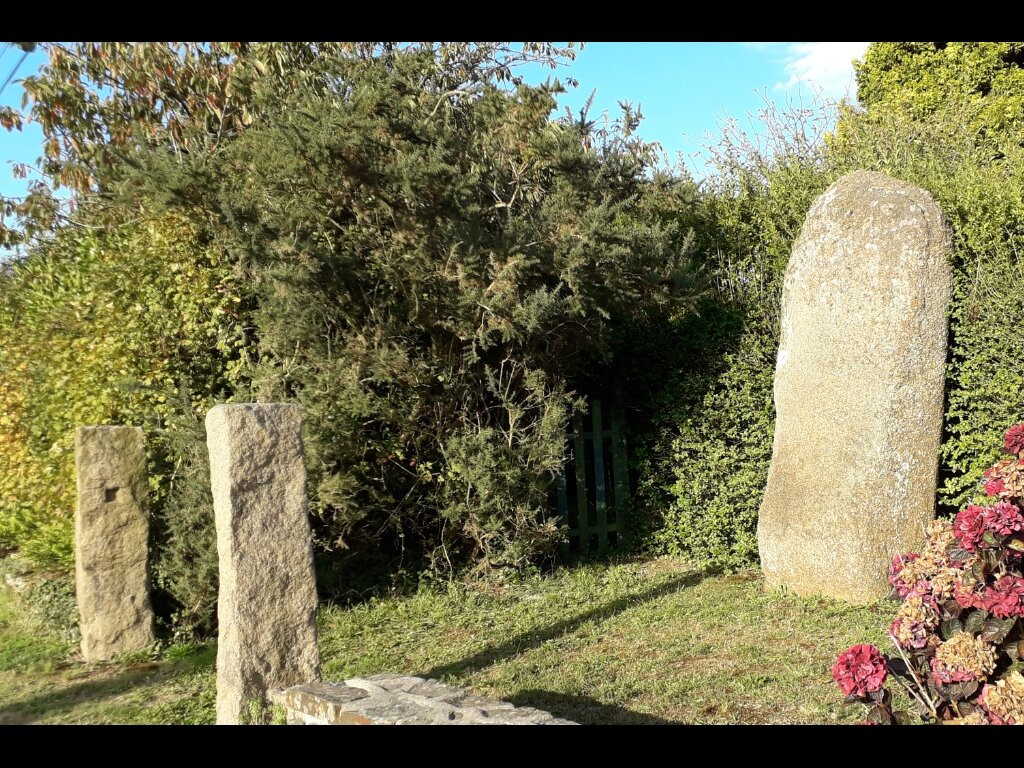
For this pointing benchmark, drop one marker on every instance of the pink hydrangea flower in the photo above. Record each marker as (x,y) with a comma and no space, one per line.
(968,598)
(971,523)
(1003,518)
(969,527)
(995,486)
(860,670)
(1005,598)
(1013,441)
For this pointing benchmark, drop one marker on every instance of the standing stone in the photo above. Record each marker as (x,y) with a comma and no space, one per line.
(858,389)
(112,541)
(266,609)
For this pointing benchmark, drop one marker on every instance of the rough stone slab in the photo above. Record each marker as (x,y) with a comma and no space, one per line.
(266,608)
(112,541)
(859,384)
(400,700)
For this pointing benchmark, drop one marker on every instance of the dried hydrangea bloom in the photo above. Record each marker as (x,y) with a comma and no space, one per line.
(917,616)
(913,568)
(963,658)
(1010,476)
(944,583)
(1004,700)
(975,718)
(969,596)
(939,536)
(900,578)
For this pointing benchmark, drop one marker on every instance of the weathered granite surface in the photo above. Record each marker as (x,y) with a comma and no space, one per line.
(400,700)
(266,608)
(112,541)
(859,385)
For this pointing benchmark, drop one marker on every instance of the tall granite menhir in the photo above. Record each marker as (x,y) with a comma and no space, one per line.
(112,541)
(858,389)
(266,608)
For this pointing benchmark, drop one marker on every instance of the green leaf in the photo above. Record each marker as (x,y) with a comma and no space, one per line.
(996,630)
(949,627)
(975,620)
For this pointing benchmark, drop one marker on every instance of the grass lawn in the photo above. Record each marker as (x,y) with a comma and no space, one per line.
(632,642)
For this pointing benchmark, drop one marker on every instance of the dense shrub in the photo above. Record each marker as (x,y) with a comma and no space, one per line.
(433,277)
(703,459)
(708,459)
(982,194)
(920,80)
(101,327)
(433,265)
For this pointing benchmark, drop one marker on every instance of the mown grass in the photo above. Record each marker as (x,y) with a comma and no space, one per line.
(632,642)
(42,679)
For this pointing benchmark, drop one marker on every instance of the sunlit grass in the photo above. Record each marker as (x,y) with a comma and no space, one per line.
(632,642)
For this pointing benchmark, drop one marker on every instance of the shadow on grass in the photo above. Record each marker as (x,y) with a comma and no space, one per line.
(535,638)
(583,710)
(50,702)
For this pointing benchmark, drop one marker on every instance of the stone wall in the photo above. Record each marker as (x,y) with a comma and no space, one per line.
(400,700)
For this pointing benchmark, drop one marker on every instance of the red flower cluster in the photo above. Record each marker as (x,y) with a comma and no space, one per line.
(969,527)
(961,614)
(860,670)
(896,567)
(1003,518)
(1014,439)
(971,523)
(1005,598)
(993,485)
(1005,479)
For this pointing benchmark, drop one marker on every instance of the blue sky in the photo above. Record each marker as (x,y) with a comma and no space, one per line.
(685,90)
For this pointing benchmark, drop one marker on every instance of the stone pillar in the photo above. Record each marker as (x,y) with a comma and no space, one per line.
(112,541)
(266,608)
(859,385)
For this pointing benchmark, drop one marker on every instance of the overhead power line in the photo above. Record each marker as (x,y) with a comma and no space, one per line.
(13,72)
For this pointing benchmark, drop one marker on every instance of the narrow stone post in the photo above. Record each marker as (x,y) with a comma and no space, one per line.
(859,387)
(112,541)
(266,608)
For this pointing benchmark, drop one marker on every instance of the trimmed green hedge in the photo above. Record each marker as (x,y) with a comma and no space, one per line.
(703,470)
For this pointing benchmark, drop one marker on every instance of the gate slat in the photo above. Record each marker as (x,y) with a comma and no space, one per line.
(599,489)
(563,508)
(620,469)
(581,486)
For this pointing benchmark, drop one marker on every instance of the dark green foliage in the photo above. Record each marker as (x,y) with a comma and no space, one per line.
(982,195)
(51,598)
(185,562)
(434,276)
(703,457)
(707,461)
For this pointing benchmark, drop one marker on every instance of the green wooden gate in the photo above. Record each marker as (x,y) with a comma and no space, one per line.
(594,489)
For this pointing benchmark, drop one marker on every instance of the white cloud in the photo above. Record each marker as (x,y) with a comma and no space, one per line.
(827,67)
